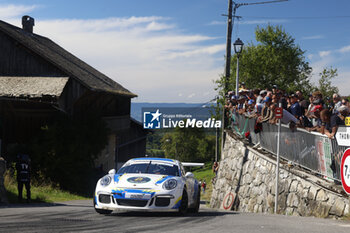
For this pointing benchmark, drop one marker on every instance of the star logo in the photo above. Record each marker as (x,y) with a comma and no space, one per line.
(156,115)
(151,119)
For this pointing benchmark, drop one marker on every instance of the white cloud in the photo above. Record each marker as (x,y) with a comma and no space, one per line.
(343,81)
(344,49)
(315,37)
(217,23)
(150,56)
(324,53)
(191,95)
(310,56)
(11,11)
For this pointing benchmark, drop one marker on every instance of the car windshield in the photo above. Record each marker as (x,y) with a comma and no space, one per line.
(150,168)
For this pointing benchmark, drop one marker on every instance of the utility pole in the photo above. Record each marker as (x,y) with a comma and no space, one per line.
(227,73)
(217,142)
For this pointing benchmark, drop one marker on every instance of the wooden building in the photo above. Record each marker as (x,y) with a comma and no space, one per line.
(38,79)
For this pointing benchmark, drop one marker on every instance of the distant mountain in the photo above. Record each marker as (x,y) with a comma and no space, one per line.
(136,108)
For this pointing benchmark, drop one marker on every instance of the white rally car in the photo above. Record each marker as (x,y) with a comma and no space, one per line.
(148,184)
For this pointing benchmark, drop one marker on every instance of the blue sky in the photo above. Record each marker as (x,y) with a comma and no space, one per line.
(171,51)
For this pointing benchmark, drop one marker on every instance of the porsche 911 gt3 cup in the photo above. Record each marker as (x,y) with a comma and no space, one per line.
(148,184)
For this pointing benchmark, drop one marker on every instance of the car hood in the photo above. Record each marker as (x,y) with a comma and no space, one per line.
(135,180)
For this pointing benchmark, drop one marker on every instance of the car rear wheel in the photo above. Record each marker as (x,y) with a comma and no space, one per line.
(184,204)
(198,202)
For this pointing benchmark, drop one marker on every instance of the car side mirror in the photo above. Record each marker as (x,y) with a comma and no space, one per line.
(112,172)
(189,175)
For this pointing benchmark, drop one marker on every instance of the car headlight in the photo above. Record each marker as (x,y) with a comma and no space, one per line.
(106,180)
(170,184)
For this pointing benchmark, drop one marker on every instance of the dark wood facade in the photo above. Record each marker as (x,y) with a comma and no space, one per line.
(25,54)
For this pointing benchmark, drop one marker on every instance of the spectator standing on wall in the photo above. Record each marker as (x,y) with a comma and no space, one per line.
(242,86)
(304,104)
(336,103)
(215,167)
(260,98)
(345,102)
(325,116)
(275,89)
(295,107)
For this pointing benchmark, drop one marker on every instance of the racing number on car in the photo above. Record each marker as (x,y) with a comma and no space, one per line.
(228,201)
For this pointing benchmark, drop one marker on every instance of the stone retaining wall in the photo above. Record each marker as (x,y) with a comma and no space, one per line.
(246,182)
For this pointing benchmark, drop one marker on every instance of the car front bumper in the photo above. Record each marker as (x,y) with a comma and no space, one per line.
(136,199)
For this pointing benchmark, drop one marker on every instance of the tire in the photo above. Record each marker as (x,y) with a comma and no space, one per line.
(101,211)
(198,202)
(184,204)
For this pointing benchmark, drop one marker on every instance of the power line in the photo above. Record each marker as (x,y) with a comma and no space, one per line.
(299,17)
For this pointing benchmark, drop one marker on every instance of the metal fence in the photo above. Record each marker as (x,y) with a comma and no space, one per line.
(311,150)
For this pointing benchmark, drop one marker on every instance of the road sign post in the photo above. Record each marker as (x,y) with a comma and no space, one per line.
(279,113)
(345,171)
(343,136)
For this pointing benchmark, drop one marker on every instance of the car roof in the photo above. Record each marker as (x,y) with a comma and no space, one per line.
(147,159)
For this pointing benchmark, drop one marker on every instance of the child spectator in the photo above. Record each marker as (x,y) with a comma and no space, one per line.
(204,186)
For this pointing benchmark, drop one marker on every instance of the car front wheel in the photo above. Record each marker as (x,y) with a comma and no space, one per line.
(184,203)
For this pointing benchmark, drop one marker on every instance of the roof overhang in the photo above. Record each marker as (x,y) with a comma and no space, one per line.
(32,87)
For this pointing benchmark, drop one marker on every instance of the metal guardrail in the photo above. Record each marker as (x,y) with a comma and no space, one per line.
(310,150)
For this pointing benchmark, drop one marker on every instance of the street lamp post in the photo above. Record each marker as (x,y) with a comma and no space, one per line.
(238,45)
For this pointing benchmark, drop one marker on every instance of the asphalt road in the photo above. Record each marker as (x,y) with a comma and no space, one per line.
(79,216)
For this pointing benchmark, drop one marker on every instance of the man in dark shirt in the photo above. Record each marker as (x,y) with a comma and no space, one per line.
(338,119)
(295,107)
(23,175)
(304,104)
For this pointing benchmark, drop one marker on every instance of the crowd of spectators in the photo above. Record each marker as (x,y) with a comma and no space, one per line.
(310,111)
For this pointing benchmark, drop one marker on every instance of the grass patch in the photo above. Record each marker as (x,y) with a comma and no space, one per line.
(40,193)
(206,174)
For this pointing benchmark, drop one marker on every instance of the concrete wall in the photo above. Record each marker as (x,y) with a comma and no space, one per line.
(246,182)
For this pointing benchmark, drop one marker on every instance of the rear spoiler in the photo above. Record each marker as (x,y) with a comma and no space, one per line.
(193,164)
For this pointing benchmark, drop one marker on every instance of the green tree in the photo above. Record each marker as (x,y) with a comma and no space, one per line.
(188,145)
(325,82)
(276,59)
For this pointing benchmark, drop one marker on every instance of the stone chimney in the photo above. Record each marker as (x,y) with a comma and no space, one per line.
(27,23)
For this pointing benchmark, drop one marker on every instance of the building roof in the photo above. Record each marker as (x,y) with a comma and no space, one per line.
(65,61)
(32,87)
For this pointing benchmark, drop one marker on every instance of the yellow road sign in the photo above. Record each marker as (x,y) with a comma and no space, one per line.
(347,121)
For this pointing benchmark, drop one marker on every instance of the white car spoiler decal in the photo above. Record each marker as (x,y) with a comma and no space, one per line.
(192,164)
